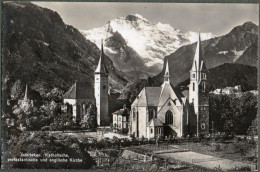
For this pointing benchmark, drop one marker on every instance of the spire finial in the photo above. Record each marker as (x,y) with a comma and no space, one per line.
(101,66)
(167,72)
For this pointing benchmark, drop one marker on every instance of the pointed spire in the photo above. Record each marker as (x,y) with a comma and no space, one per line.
(101,66)
(198,57)
(167,72)
(26,93)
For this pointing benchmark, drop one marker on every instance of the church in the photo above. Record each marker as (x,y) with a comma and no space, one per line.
(84,94)
(163,111)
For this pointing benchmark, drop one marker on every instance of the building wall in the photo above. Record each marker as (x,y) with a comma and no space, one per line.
(133,121)
(201,101)
(142,113)
(149,134)
(77,107)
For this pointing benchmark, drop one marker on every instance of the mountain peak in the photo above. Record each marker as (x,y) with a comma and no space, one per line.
(135,17)
(249,23)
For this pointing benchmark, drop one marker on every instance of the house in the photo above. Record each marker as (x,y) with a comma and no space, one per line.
(163,111)
(121,119)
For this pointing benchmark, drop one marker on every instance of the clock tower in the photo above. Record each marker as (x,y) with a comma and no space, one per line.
(101,91)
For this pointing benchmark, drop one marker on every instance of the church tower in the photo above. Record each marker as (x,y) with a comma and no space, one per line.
(101,91)
(25,101)
(198,92)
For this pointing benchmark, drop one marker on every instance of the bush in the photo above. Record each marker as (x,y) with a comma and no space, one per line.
(242,147)
(218,148)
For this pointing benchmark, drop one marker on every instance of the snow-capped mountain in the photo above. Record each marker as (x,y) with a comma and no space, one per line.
(151,41)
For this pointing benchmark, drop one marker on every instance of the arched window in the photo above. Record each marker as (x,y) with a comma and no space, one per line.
(151,114)
(193,85)
(169,117)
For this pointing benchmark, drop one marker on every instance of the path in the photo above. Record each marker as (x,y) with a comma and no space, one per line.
(207,161)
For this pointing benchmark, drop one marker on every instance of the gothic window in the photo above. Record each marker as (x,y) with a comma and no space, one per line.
(169,117)
(151,130)
(203,86)
(193,75)
(119,118)
(151,114)
(202,126)
(193,85)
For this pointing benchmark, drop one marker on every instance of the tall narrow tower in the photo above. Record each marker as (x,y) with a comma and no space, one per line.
(25,101)
(198,92)
(101,91)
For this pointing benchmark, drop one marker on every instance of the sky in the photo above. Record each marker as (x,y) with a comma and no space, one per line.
(218,19)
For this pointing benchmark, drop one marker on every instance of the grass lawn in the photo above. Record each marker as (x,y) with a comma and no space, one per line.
(240,151)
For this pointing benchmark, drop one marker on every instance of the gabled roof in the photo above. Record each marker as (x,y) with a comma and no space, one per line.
(122,112)
(152,95)
(80,90)
(155,122)
(140,100)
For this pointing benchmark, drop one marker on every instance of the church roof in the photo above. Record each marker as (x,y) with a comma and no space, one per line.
(149,96)
(80,90)
(155,122)
(101,68)
(152,95)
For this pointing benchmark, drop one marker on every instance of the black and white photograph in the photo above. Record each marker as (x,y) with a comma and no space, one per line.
(129,86)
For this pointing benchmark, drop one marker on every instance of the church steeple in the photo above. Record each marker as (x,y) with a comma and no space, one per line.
(198,63)
(167,72)
(101,91)
(101,64)
(198,94)
(26,93)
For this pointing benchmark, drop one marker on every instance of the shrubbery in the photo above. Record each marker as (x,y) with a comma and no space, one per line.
(233,114)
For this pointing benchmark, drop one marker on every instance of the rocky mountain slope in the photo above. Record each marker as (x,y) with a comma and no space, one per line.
(39,49)
(238,46)
(143,41)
